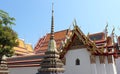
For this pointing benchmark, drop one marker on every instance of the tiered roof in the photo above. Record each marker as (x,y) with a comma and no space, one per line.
(100,40)
(25,61)
(59,36)
(97,44)
(23,49)
(103,44)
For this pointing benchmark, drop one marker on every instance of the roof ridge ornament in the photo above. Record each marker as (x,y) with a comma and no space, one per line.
(106,30)
(74,23)
(113,30)
(113,34)
(106,27)
(88,34)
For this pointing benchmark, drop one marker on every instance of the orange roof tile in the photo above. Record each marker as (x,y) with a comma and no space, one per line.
(43,42)
(97,36)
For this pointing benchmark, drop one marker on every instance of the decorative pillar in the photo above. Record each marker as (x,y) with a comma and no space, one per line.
(110,65)
(93,64)
(100,62)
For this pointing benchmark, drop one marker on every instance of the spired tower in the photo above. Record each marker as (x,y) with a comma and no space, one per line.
(51,64)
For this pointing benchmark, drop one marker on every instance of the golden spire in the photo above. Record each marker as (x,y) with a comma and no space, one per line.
(51,64)
(52,43)
(52,24)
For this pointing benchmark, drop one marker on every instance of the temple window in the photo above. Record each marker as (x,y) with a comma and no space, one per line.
(77,61)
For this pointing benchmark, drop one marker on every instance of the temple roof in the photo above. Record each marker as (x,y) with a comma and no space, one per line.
(59,36)
(101,40)
(97,44)
(25,61)
(97,36)
(22,48)
(29,47)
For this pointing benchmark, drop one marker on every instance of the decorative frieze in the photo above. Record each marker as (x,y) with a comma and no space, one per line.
(102,59)
(77,47)
(77,43)
(110,59)
(92,59)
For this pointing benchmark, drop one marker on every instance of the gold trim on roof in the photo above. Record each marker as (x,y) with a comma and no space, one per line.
(90,45)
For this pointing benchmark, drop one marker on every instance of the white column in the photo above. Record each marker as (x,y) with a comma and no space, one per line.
(110,65)
(107,66)
(100,66)
(93,64)
(118,65)
(93,68)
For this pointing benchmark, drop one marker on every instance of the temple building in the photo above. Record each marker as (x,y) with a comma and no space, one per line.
(23,49)
(51,63)
(82,53)
(59,37)
(98,53)
(69,52)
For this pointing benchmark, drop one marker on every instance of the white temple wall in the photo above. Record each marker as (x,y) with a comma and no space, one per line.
(93,68)
(23,70)
(110,67)
(84,56)
(100,67)
(118,65)
(107,66)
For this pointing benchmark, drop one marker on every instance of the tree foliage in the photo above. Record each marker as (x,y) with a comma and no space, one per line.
(5,19)
(8,36)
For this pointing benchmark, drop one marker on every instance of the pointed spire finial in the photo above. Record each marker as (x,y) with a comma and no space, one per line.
(113,30)
(52,7)
(106,29)
(106,25)
(75,21)
(88,34)
(52,24)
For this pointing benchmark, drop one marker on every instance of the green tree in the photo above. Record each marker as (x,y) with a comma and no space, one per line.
(8,36)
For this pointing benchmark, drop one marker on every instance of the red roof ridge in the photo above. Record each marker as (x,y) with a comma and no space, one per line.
(24,61)
(29,65)
(25,56)
(100,41)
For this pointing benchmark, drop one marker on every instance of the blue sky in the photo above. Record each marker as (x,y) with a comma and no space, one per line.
(33,17)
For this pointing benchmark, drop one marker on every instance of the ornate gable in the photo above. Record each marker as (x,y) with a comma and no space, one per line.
(76,43)
(79,40)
